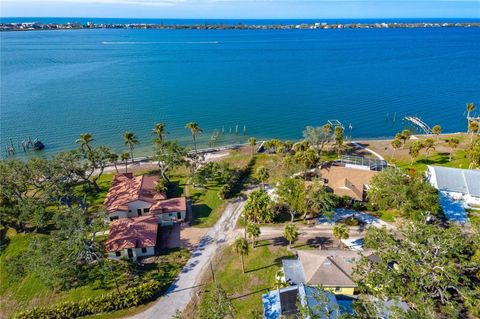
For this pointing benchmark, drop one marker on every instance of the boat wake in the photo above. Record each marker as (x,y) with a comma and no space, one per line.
(159,42)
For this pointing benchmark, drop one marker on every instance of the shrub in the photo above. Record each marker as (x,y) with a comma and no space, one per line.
(112,301)
(4,240)
(358,206)
(351,221)
(235,180)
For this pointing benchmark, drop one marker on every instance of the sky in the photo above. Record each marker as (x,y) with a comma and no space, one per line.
(242,9)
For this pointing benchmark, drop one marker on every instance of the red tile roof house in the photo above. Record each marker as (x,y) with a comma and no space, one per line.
(133,196)
(132,237)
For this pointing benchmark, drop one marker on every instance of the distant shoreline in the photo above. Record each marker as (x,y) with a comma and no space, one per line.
(38,26)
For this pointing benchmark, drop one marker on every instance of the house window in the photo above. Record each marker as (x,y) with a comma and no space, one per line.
(139,212)
(146,210)
(113,218)
(144,250)
(338,289)
(129,210)
(179,215)
(118,254)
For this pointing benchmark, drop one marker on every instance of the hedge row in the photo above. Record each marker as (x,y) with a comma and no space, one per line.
(109,302)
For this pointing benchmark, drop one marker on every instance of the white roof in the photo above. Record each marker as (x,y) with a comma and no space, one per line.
(465,181)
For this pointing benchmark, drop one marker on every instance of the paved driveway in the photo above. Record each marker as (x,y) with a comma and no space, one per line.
(342,213)
(182,289)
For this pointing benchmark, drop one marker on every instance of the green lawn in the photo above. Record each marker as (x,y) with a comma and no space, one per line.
(459,160)
(30,291)
(246,290)
(207,207)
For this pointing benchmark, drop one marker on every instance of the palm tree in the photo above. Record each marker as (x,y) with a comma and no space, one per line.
(437,130)
(85,140)
(253,231)
(114,158)
(252,141)
(341,231)
(396,144)
(263,174)
(318,200)
(429,144)
(124,157)
(414,150)
(452,143)
(241,248)
(470,109)
(405,136)
(161,186)
(195,130)
(308,158)
(473,128)
(159,131)
(290,233)
(130,140)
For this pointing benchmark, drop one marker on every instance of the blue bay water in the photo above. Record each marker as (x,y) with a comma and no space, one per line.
(58,84)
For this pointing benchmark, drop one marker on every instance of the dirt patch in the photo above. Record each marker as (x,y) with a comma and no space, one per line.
(385,149)
(190,236)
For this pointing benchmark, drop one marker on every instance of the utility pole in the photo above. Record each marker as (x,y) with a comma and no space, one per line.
(213,274)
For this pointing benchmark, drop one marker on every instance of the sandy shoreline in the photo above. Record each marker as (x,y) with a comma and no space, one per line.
(374,145)
(146,162)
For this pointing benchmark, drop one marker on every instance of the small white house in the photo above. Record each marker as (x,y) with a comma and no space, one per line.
(132,237)
(457,189)
(459,184)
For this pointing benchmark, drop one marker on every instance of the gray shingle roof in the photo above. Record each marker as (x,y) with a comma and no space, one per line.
(293,270)
(465,181)
(329,267)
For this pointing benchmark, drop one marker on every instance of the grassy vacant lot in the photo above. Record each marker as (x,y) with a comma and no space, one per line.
(459,160)
(437,156)
(261,265)
(30,291)
(207,206)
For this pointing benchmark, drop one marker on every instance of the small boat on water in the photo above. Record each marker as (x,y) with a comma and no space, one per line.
(38,145)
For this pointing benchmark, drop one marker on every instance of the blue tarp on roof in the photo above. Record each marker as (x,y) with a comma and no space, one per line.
(453,209)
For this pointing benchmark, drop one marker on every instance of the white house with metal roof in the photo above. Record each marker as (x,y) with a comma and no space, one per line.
(458,189)
(461,184)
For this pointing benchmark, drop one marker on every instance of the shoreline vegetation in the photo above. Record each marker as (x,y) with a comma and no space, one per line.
(32,26)
(46,200)
(215,153)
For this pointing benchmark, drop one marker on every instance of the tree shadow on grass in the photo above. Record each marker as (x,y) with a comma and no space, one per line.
(279,241)
(439,158)
(321,242)
(251,293)
(260,268)
(175,189)
(263,243)
(200,211)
